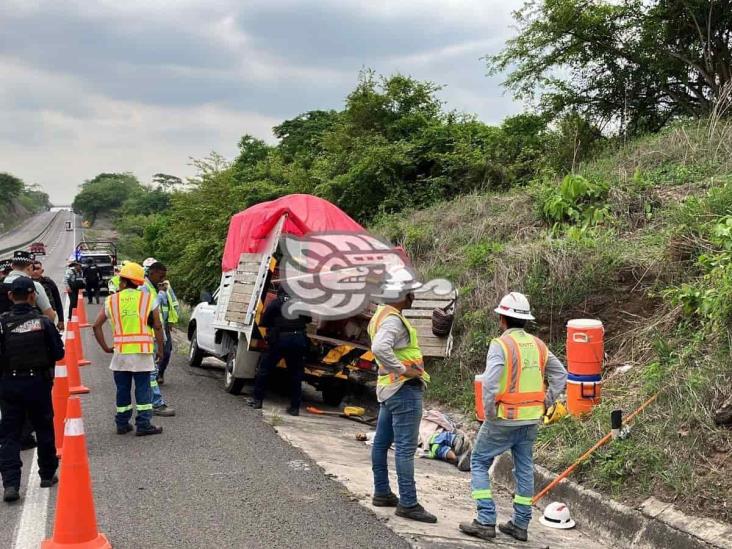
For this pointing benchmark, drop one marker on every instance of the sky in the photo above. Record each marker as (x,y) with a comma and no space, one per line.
(141,86)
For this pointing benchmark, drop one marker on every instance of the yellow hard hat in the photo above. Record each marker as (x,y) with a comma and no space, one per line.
(134,272)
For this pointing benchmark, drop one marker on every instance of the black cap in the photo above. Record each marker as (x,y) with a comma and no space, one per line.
(21,256)
(22,285)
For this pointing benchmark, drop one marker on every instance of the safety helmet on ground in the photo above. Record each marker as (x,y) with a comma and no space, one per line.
(134,272)
(515,305)
(556,515)
(149,261)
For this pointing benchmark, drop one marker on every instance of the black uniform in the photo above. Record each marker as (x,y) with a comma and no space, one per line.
(287,340)
(30,345)
(92,279)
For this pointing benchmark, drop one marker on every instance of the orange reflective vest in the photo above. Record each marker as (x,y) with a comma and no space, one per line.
(128,312)
(521,390)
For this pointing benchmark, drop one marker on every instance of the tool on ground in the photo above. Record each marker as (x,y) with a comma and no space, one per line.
(75,525)
(78,341)
(83,322)
(72,364)
(348,411)
(589,452)
(556,515)
(59,397)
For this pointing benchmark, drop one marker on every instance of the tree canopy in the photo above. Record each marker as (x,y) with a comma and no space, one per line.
(635,63)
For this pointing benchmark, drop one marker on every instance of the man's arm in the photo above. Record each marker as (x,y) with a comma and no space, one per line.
(43,303)
(159,337)
(269,315)
(99,331)
(495,363)
(384,341)
(57,299)
(556,376)
(53,340)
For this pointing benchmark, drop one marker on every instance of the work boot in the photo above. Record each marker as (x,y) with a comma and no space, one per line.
(463,463)
(149,430)
(123,430)
(459,444)
(11,494)
(161,379)
(48,482)
(510,529)
(293,410)
(478,529)
(389,500)
(163,410)
(417,512)
(255,403)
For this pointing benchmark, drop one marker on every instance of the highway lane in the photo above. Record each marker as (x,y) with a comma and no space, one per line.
(218,476)
(24,232)
(59,243)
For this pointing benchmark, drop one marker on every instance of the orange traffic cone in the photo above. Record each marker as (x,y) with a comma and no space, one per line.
(60,395)
(79,343)
(72,364)
(76,519)
(83,321)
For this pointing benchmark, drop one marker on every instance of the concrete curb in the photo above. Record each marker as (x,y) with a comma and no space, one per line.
(656,525)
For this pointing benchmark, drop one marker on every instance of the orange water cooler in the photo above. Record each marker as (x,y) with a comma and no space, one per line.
(585,354)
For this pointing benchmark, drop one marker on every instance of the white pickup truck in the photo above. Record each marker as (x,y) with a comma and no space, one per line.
(225,325)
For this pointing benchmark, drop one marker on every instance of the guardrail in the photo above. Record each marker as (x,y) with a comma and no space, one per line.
(8,252)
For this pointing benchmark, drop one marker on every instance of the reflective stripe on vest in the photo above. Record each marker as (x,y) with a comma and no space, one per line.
(410,356)
(128,312)
(521,389)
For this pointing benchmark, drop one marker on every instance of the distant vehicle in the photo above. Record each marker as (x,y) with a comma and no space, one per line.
(103,253)
(37,248)
(68,226)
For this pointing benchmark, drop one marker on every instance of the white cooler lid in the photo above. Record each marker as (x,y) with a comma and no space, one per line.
(584,323)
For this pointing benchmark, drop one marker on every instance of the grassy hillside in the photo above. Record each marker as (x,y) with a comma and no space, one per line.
(641,239)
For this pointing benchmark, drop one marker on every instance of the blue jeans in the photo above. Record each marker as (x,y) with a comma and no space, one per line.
(398,422)
(441,445)
(143,396)
(167,351)
(494,439)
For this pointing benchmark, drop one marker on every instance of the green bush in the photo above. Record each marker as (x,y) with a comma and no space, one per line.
(575,200)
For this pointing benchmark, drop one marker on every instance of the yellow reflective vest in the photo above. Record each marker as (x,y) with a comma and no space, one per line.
(521,388)
(128,312)
(410,356)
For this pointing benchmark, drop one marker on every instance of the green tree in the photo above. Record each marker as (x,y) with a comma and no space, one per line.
(166,182)
(105,193)
(10,186)
(634,63)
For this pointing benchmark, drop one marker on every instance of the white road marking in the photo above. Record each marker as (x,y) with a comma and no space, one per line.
(31,529)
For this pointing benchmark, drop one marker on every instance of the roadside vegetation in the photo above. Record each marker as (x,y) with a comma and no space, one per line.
(18,201)
(612,199)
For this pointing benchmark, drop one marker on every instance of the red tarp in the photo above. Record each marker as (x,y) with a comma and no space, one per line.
(248,230)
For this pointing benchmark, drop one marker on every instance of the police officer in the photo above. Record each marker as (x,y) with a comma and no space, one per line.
(286,338)
(5,269)
(21,264)
(30,345)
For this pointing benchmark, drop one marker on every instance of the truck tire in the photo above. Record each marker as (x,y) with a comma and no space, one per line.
(333,391)
(232,385)
(195,355)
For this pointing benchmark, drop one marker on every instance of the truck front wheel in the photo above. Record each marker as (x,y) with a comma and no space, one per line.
(195,355)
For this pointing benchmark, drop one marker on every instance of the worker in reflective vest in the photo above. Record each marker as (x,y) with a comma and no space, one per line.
(399,390)
(514,398)
(169,308)
(136,329)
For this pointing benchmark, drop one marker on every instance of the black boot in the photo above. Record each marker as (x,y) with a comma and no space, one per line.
(149,430)
(510,529)
(48,482)
(11,494)
(416,512)
(255,403)
(293,410)
(389,500)
(478,530)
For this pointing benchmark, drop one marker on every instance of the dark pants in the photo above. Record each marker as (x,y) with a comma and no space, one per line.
(73,301)
(291,346)
(143,398)
(92,291)
(167,351)
(21,396)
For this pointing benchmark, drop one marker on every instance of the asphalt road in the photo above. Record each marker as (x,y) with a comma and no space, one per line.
(26,231)
(218,476)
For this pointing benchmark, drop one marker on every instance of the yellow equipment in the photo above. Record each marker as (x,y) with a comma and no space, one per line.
(555,412)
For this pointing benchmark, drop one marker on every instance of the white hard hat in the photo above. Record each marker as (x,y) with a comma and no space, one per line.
(149,261)
(515,305)
(556,515)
